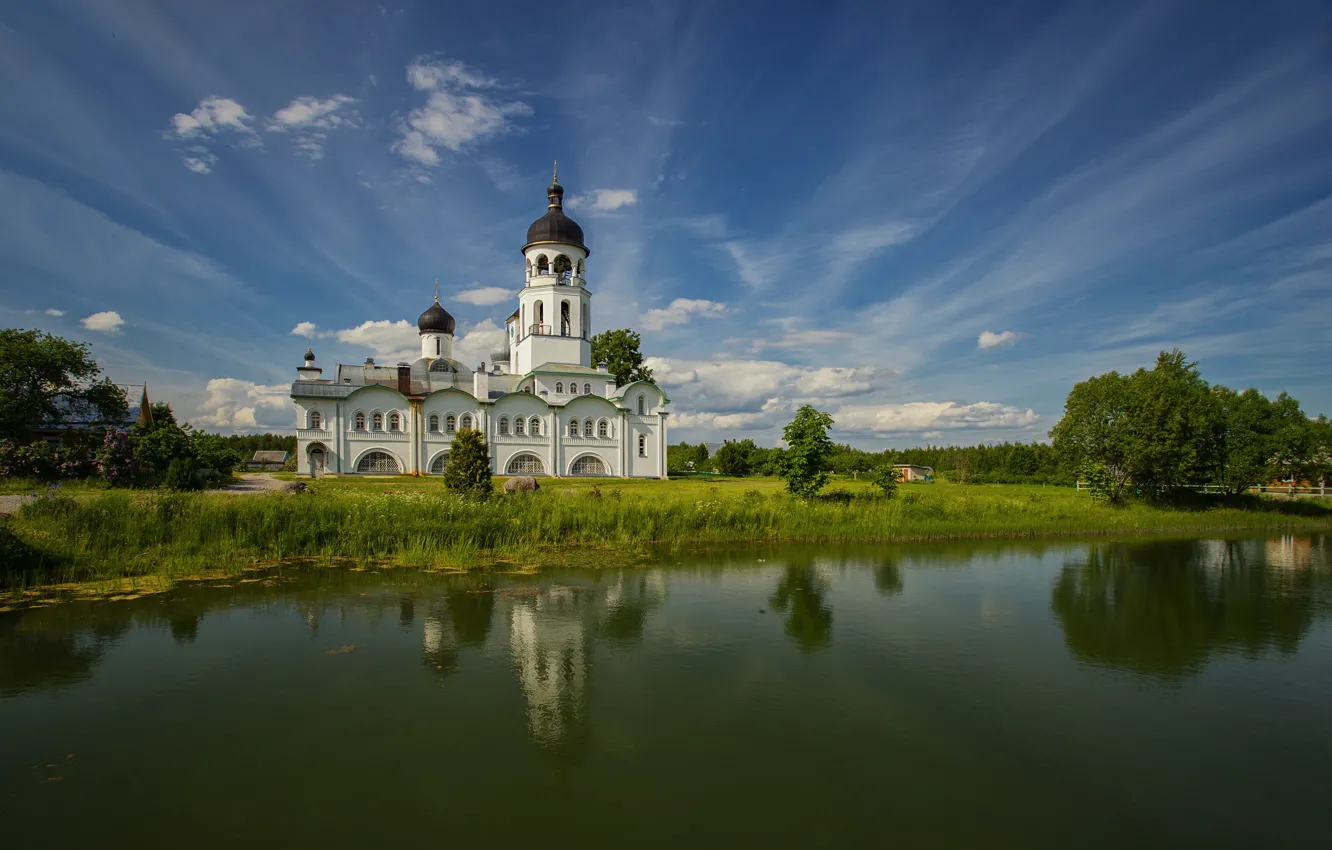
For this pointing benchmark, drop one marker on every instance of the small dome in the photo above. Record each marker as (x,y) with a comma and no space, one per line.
(436,320)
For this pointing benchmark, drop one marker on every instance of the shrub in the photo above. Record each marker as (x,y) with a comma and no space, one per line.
(115,460)
(181,474)
(885,478)
(468,471)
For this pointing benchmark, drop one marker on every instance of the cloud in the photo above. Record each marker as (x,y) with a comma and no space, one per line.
(51,311)
(390,341)
(310,119)
(484,296)
(731,386)
(233,404)
(456,114)
(477,344)
(679,311)
(604,200)
(305,329)
(108,321)
(213,115)
(921,416)
(990,339)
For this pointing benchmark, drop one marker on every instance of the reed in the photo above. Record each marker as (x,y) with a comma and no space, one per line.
(118,534)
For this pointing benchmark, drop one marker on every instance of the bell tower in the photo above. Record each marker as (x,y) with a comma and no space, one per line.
(554,318)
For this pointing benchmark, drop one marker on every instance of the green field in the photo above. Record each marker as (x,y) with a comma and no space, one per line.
(415,522)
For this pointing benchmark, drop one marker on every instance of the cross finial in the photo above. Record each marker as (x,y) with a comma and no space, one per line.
(436,290)
(555,171)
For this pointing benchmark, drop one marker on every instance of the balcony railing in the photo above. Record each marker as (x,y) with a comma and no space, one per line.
(386,436)
(313,434)
(548,330)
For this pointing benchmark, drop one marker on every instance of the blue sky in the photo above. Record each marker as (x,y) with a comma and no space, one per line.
(929,219)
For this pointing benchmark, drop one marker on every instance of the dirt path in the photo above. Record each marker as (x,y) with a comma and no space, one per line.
(254,482)
(9,504)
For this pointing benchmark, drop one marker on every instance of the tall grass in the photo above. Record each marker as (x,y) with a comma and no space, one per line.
(126,534)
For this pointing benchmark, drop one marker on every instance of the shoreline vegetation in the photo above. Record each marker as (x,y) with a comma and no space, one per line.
(115,535)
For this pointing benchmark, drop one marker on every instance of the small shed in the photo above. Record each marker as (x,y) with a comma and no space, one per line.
(267,460)
(911,472)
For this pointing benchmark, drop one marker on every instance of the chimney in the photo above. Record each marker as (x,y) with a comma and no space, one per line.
(405,380)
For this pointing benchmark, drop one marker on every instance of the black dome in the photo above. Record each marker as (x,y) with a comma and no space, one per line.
(555,226)
(436,320)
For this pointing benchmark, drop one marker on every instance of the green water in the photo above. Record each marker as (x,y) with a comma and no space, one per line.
(997,695)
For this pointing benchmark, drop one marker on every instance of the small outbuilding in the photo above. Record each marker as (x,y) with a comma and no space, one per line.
(267,460)
(911,472)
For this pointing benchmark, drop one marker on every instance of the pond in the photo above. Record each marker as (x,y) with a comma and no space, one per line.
(1088,694)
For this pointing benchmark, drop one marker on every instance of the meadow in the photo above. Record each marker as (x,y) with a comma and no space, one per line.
(107,535)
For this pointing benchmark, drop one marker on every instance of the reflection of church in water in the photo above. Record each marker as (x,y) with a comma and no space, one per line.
(552,635)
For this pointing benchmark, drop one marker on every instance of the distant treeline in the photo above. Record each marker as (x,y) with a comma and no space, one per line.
(247,444)
(1002,463)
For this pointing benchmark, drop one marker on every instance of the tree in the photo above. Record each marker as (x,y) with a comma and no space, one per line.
(1246,439)
(805,463)
(44,378)
(735,457)
(619,351)
(887,479)
(468,470)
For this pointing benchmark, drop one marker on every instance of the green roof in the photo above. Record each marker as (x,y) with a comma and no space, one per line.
(567,369)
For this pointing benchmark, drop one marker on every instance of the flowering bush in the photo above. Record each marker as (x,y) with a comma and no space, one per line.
(115,460)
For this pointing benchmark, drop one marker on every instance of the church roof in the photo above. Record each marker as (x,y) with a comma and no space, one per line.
(436,320)
(555,226)
(567,369)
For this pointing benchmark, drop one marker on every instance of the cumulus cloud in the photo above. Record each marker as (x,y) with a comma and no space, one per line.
(475,346)
(233,404)
(990,339)
(309,119)
(604,200)
(737,386)
(305,329)
(51,311)
(390,341)
(107,321)
(457,114)
(213,117)
(925,416)
(679,313)
(484,296)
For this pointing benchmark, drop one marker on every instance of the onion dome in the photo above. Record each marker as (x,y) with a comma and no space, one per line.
(436,320)
(555,226)
(309,355)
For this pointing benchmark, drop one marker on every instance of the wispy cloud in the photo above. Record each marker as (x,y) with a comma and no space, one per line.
(309,120)
(604,200)
(108,321)
(680,311)
(990,339)
(51,311)
(305,329)
(457,112)
(485,296)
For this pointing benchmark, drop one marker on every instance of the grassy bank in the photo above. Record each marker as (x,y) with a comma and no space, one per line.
(413,522)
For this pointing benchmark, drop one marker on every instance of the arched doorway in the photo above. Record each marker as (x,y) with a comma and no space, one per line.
(378,463)
(589,465)
(318,461)
(526,464)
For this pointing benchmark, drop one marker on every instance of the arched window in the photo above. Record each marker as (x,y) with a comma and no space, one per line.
(587,320)
(543,265)
(603,429)
(641,404)
(504,425)
(437,466)
(587,389)
(316,421)
(587,427)
(588,465)
(360,420)
(539,315)
(519,426)
(573,427)
(534,427)
(467,421)
(434,422)
(563,265)
(580,268)
(642,446)
(526,464)
(566,319)
(377,422)
(395,422)
(377,463)
(450,423)
(559,387)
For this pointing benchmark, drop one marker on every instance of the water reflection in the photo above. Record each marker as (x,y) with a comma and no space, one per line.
(888,576)
(549,648)
(1165,608)
(801,593)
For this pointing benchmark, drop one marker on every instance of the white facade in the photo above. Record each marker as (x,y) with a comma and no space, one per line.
(543,407)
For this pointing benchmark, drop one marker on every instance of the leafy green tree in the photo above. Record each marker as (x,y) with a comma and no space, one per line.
(211,451)
(1022,461)
(886,478)
(618,349)
(1247,422)
(735,457)
(468,470)
(43,377)
(158,443)
(805,463)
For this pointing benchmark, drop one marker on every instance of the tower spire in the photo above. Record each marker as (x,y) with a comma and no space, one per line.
(555,171)
(436,290)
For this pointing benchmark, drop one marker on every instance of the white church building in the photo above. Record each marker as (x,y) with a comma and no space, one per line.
(542,405)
